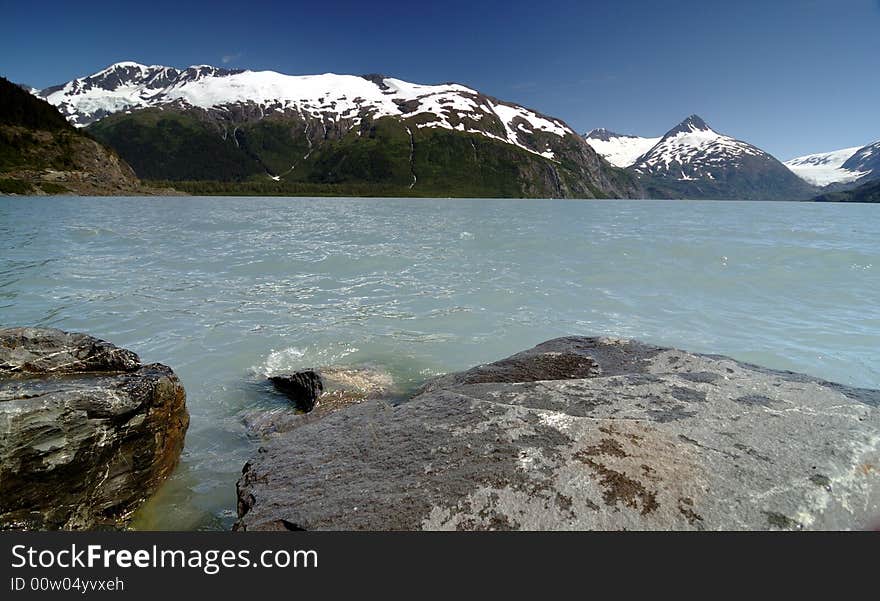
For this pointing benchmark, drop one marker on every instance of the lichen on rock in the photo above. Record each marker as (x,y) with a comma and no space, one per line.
(582,433)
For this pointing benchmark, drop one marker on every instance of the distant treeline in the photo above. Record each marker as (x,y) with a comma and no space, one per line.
(282,188)
(869,192)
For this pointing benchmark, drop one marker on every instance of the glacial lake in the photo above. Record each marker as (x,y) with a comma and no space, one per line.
(228,290)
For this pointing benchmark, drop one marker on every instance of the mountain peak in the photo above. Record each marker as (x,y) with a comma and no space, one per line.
(124,69)
(123,65)
(604,135)
(691,124)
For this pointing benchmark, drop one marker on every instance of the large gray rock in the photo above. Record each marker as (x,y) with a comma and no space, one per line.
(86,432)
(642,438)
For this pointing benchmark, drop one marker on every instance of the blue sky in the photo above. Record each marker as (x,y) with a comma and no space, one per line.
(789,76)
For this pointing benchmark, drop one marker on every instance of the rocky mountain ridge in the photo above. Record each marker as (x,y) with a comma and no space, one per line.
(209,124)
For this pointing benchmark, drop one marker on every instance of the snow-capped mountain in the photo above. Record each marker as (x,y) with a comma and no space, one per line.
(694,161)
(693,151)
(120,87)
(207,124)
(620,150)
(825,168)
(128,86)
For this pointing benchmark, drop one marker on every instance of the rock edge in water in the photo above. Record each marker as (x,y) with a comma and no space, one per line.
(318,392)
(302,387)
(87,432)
(582,433)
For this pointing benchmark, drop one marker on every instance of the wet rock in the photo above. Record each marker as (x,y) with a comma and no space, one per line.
(640,437)
(50,351)
(267,422)
(340,387)
(562,363)
(357,382)
(302,387)
(88,432)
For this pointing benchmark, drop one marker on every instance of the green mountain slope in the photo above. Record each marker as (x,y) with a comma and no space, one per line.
(752,178)
(211,152)
(40,153)
(869,192)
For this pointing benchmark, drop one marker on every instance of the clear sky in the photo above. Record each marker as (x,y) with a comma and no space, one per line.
(792,77)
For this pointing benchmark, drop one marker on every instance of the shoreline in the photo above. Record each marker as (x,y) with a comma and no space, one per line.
(179,194)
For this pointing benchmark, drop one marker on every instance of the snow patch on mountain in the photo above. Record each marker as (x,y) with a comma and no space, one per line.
(128,86)
(865,160)
(824,168)
(867,152)
(620,150)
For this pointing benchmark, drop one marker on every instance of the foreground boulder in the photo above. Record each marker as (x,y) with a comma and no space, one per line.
(619,435)
(88,432)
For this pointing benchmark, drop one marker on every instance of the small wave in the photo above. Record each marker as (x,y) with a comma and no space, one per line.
(429,372)
(87,231)
(279,361)
(293,358)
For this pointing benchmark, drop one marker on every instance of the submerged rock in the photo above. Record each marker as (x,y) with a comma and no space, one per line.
(357,382)
(618,435)
(88,432)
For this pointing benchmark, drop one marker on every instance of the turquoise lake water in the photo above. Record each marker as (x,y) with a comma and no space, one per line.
(228,290)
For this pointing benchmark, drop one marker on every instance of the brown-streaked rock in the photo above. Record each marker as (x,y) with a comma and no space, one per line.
(87,432)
